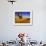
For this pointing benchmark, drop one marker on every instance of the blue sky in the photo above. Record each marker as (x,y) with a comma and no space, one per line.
(23,13)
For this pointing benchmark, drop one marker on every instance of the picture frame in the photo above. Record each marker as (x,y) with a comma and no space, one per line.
(23,18)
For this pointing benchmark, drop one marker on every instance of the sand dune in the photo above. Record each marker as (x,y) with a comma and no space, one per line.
(23,20)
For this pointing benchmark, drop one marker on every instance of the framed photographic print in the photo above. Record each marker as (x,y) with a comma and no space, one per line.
(23,18)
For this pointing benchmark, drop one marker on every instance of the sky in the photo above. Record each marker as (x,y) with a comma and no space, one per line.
(24,13)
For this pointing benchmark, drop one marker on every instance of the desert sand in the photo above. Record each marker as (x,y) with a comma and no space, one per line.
(22,20)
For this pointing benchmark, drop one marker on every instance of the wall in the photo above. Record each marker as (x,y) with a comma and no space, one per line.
(9,31)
